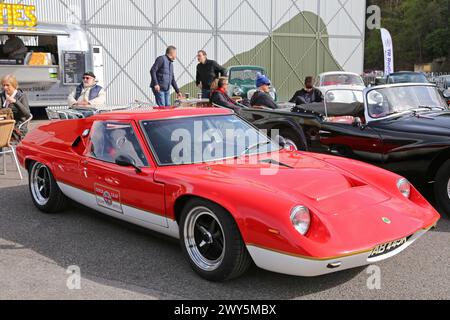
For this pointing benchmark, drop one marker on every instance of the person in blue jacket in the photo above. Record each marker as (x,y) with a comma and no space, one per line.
(163,77)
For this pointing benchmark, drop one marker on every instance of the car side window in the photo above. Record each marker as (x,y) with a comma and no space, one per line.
(109,140)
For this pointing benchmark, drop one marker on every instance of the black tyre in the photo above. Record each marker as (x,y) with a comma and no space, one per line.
(44,190)
(294,139)
(442,187)
(211,242)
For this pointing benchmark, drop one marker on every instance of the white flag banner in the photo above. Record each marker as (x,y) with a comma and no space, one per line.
(388,52)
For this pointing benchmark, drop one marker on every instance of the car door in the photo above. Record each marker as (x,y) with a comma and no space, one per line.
(343,130)
(122,191)
(359,142)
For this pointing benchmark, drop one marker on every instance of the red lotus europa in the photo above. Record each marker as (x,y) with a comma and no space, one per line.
(228,192)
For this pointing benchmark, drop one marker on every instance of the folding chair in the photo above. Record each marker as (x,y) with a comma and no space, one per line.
(26,122)
(6,130)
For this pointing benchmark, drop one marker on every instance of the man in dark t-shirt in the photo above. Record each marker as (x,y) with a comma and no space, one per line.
(307,95)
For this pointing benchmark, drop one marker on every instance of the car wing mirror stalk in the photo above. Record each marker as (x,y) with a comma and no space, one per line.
(357,123)
(126,161)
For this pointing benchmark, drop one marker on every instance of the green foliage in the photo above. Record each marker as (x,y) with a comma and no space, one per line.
(420,31)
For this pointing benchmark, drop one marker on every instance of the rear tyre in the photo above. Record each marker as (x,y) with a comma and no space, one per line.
(211,242)
(442,187)
(44,190)
(293,139)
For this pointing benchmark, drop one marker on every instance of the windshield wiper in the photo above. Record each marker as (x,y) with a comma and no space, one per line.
(257,145)
(430,108)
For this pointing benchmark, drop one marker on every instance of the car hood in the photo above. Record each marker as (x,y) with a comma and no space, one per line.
(300,178)
(347,206)
(245,86)
(434,123)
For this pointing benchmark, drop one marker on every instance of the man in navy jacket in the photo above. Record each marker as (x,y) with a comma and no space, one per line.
(163,77)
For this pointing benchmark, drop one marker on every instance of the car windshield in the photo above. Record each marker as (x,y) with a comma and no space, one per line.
(407,78)
(388,101)
(341,79)
(192,140)
(240,76)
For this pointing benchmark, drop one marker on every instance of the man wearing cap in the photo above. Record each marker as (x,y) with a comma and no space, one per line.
(262,97)
(88,93)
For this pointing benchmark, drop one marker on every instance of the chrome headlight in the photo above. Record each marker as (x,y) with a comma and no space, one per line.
(237,92)
(301,219)
(404,187)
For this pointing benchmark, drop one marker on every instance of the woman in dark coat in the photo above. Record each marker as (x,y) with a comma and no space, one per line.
(14,98)
(219,95)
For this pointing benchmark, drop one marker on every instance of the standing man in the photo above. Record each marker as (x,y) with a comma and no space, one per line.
(88,93)
(163,77)
(307,95)
(207,72)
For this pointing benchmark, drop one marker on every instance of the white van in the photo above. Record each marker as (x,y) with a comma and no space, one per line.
(56,58)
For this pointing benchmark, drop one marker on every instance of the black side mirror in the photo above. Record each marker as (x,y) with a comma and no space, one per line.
(126,161)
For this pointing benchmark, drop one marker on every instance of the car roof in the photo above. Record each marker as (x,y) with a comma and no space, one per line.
(405,72)
(245,67)
(161,113)
(338,72)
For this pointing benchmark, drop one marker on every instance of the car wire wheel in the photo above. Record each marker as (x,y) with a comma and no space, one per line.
(290,144)
(448,189)
(442,187)
(204,239)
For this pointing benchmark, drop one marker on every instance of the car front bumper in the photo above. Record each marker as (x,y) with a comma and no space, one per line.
(310,267)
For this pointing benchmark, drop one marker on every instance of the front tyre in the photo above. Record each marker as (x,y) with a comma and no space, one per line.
(44,190)
(442,187)
(211,241)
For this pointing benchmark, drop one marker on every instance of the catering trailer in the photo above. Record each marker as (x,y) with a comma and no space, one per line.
(54,62)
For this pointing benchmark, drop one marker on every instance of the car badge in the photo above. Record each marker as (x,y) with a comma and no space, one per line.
(386,220)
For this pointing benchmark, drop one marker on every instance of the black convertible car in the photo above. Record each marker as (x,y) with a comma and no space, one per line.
(404,128)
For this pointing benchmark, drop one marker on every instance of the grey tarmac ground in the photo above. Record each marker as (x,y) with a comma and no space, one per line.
(121,261)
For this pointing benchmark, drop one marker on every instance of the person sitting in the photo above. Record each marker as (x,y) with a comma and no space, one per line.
(14,48)
(88,93)
(262,97)
(15,99)
(307,95)
(219,95)
(122,146)
(378,110)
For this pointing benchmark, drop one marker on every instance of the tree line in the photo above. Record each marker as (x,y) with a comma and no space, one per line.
(420,31)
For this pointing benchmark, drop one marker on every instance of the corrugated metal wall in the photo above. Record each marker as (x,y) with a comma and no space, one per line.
(291,38)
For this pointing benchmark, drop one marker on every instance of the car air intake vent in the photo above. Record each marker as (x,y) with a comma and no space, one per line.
(355,183)
(273,162)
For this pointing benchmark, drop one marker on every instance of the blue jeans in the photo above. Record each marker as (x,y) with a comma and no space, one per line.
(162,98)
(206,93)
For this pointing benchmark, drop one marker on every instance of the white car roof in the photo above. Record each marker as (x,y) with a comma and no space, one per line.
(338,72)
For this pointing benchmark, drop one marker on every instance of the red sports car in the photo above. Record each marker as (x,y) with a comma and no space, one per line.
(228,192)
